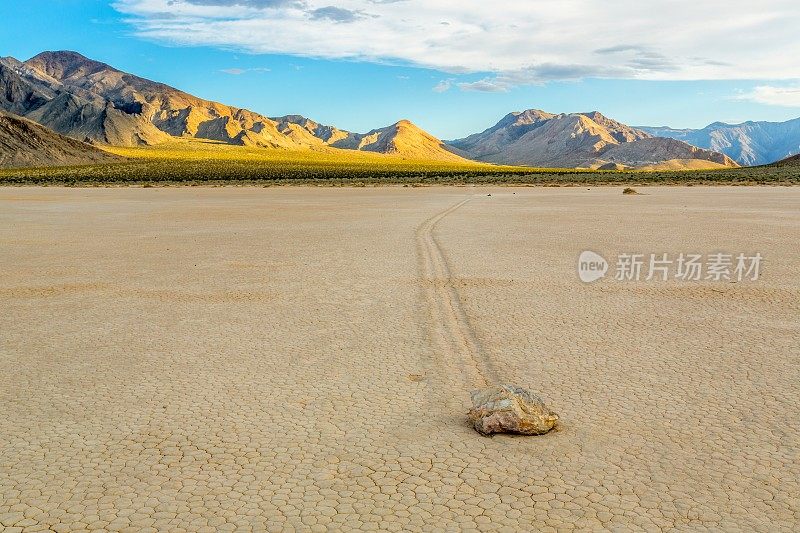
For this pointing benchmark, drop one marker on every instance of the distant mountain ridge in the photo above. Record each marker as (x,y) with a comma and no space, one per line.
(585,140)
(749,143)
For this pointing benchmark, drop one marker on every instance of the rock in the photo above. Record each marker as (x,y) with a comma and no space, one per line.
(510,409)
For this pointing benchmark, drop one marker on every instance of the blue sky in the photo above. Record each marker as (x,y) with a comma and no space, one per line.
(449,91)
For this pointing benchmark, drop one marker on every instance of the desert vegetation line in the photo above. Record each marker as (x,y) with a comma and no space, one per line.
(213,164)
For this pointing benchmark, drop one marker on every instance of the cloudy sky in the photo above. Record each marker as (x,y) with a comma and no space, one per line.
(453,66)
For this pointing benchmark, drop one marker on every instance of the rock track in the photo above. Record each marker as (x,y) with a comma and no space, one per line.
(458,349)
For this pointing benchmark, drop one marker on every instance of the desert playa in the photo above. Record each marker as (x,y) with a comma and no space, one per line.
(278,359)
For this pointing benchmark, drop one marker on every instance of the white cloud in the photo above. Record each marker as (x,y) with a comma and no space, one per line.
(240,71)
(443,86)
(514,42)
(486,85)
(770,95)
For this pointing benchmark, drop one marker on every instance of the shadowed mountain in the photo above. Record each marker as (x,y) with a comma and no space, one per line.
(793,161)
(749,143)
(584,140)
(18,95)
(24,143)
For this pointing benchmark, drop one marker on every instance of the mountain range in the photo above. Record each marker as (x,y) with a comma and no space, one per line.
(749,143)
(97,104)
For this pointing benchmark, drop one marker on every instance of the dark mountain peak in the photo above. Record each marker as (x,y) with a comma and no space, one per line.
(294,119)
(68,57)
(66,64)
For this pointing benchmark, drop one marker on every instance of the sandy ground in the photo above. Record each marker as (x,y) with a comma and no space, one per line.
(227,359)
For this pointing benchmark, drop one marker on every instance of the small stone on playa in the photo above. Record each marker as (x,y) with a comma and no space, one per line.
(510,409)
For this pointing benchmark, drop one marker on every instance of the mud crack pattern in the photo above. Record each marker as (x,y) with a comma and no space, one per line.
(298,359)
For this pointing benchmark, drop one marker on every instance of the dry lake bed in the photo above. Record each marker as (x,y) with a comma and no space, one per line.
(219,359)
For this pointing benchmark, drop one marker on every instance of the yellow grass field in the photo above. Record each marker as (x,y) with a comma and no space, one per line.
(203,162)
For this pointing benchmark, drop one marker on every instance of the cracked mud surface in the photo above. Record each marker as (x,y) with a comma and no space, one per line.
(300,359)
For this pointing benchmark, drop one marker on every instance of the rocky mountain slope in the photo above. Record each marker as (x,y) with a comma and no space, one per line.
(94,102)
(583,140)
(749,143)
(24,143)
(307,131)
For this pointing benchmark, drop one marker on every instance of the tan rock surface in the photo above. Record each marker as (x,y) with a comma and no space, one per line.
(510,409)
(227,359)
